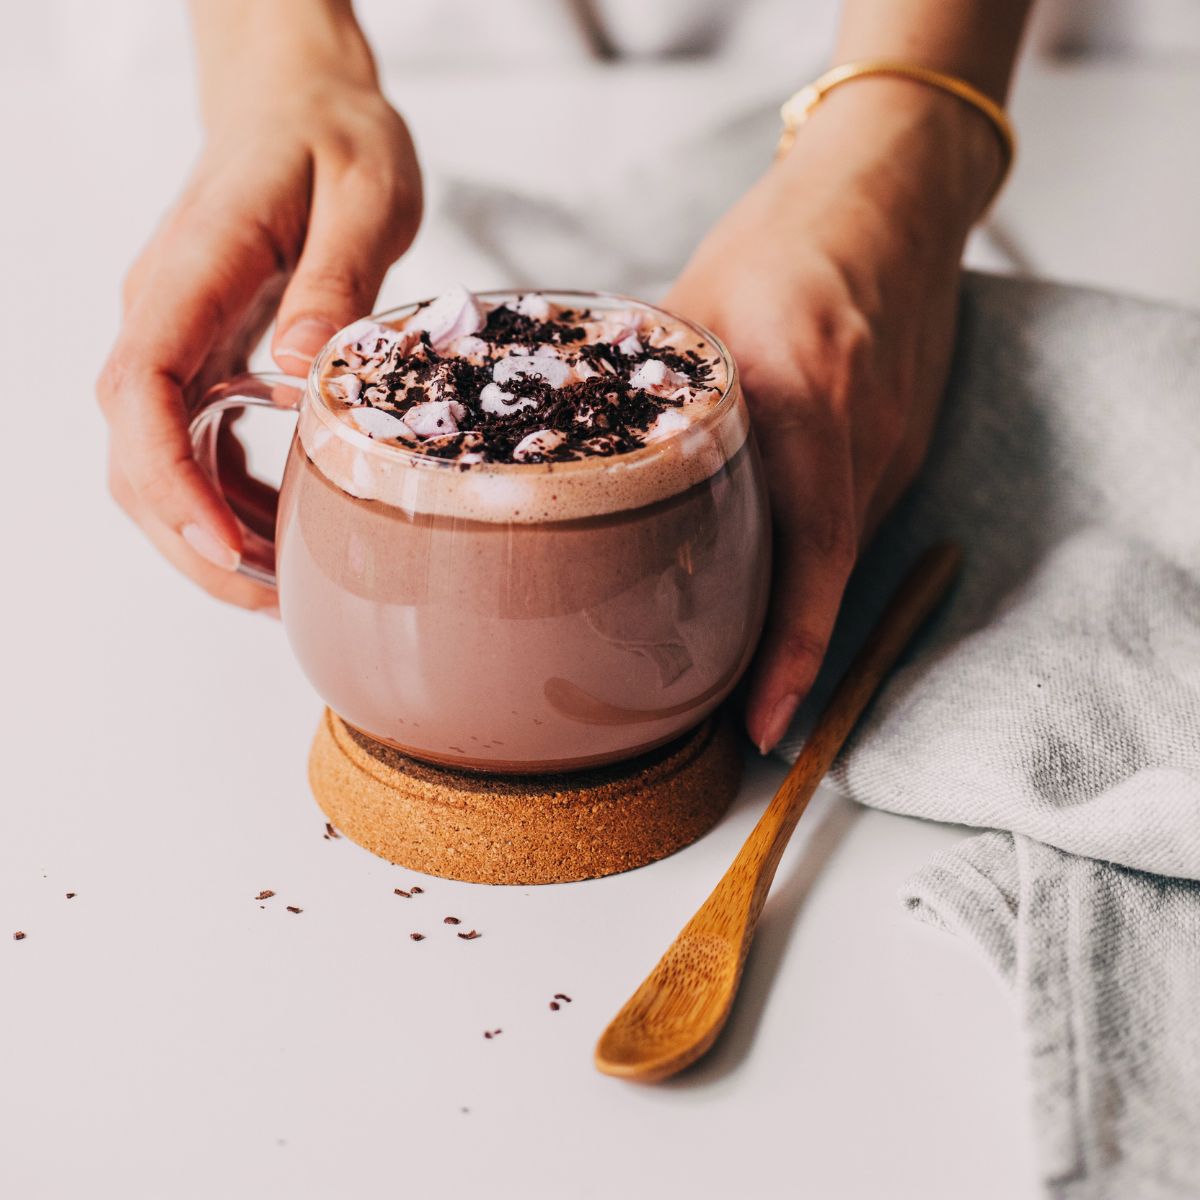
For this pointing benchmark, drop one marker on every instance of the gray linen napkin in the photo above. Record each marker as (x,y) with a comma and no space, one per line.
(1056,702)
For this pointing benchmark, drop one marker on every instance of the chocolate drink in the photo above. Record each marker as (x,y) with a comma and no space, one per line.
(569,569)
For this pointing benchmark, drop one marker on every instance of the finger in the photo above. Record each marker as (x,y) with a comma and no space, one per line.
(362,220)
(200,282)
(222,585)
(813,512)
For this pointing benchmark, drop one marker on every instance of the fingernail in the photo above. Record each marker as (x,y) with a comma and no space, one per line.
(211,547)
(778,722)
(302,341)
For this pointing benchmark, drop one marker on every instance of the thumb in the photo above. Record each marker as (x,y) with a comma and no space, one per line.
(356,231)
(812,509)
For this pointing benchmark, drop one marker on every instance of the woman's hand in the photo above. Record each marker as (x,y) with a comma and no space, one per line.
(308,187)
(834,282)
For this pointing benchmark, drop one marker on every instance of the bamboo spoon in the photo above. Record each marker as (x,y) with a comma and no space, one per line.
(675,1016)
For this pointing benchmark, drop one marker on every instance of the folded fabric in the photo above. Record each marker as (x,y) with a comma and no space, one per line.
(1056,698)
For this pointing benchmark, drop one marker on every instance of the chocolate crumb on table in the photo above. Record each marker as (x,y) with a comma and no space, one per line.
(71,895)
(555,1006)
(451,921)
(561,996)
(417,937)
(492,1033)
(294,909)
(265,894)
(402,892)
(19,936)
(470,937)
(330,831)
(416,891)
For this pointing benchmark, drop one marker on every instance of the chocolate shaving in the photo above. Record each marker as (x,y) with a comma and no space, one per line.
(470,937)
(560,996)
(417,937)
(416,891)
(402,892)
(451,921)
(70,895)
(19,936)
(265,894)
(598,417)
(330,831)
(504,325)
(293,908)
(554,1006)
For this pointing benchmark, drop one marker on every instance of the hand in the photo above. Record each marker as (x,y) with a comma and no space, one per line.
(834,282)
(306,190)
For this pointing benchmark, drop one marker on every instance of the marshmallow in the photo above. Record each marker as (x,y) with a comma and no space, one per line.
(668,422)
(654,373)
(493,399)
(349,387)
(434,418)
(454,314)
(540,442)
(377,423)
(629,344)
(533,305)
(366,335)
(469,346)
(553,370)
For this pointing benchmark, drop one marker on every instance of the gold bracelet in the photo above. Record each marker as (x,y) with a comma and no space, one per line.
(799,107)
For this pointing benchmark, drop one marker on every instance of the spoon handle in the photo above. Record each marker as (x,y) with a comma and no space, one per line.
(755,865)
(680,1008)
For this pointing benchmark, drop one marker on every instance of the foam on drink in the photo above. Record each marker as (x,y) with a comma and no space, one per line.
(514,399)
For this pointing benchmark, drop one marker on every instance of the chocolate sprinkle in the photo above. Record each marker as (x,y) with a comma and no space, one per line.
(598,417)
(504,325)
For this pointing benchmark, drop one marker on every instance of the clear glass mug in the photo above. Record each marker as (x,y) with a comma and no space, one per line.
(513,617)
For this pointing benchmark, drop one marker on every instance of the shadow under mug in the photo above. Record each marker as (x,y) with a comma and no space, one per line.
(512,618)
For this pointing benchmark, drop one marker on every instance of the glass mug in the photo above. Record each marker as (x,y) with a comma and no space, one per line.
(511,617)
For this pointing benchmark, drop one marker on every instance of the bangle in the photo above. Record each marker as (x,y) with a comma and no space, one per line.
(799,107)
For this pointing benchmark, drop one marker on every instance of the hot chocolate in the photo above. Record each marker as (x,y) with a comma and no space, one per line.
(523,533)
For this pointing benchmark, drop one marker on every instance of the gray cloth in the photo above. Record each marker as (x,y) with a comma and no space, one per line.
(1056,702)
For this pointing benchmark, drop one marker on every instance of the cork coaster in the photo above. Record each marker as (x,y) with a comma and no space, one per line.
(524,829)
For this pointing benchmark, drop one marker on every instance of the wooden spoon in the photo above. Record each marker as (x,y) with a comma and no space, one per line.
(675,1016)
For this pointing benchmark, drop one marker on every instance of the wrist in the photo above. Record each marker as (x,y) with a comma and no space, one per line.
(914,150)
(264,54)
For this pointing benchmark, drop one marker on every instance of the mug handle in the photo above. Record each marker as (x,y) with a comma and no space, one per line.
(282,393)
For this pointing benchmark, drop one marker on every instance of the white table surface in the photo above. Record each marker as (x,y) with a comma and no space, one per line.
(166,1036)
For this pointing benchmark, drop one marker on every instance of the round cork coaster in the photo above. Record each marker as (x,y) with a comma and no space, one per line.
(524,829)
